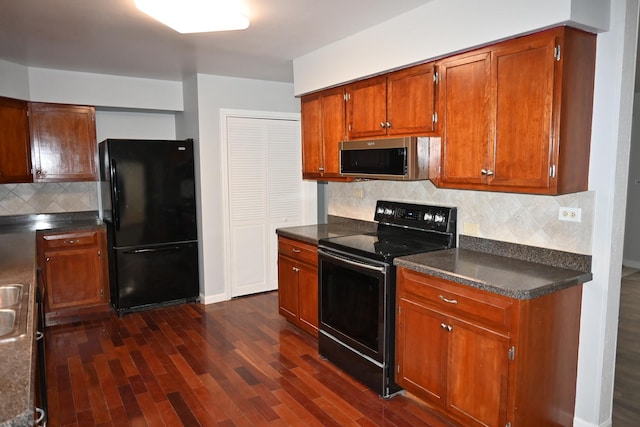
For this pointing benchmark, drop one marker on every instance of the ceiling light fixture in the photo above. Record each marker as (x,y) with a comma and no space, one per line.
(196,16)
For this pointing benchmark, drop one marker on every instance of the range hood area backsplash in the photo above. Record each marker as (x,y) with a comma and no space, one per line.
(57,197)
(516,218)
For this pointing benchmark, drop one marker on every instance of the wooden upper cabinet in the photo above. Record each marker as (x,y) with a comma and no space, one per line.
(465,88)
(15,151)
(398,103)
(63,142)
(411,100)
(517,115)
(367,108)
(323,116)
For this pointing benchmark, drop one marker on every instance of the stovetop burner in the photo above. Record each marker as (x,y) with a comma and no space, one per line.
(403,229)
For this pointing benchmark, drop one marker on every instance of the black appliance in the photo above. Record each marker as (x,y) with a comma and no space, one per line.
(42,405)
(357,287)
(387,158)
(149,205)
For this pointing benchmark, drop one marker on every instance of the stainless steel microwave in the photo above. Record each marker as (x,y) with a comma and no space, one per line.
(391,158)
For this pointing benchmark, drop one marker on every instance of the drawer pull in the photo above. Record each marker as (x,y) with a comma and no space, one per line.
(295,250)
(447,300)
(70,241)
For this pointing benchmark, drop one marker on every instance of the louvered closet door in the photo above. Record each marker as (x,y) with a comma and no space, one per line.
(265,192)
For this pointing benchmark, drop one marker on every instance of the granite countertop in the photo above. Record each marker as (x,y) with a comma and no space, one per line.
(18,265)
(502,275)
(312,233)
(514,270)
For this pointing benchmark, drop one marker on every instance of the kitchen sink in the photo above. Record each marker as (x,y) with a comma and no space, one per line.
(14,300)
(7,321)
(10,295)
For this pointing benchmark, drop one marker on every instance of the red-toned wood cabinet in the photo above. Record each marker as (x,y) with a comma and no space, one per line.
(397,103)
(15,149)
(63,142)
(516,116)
(323,116)
(74,272)
(482,359)
(298,283)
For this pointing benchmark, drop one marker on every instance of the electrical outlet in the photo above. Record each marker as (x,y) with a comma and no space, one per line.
(570,214)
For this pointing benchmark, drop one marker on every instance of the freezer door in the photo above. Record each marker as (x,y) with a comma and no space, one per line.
(152,191)
(155,275)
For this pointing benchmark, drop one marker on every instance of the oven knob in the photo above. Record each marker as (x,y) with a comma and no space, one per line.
(388,211)
(440,218)
(428,216)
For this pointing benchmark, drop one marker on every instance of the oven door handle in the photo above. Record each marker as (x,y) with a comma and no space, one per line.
(354,263)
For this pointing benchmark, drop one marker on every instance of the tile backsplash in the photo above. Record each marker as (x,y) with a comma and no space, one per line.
(23,199)
(516,218)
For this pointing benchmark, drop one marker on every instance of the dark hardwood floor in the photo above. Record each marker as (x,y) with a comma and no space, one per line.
(236,363)
(626,391)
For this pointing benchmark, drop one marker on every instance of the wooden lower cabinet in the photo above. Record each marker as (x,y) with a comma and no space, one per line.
(298,284)
(482,359)
(74,273)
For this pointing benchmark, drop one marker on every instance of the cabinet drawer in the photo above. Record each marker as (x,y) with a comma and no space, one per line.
(297,250)
(455,300)
(70,240)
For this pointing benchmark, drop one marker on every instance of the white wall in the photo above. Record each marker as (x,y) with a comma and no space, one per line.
(436,29)
(14,80)
(214,93)
(445,26)
(135,124)
(100,90)
(632,229)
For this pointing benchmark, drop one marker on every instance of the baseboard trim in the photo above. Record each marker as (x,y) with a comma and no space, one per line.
(631,263)
(212,299)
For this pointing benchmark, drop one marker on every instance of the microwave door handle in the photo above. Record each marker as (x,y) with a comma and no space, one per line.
(356,263)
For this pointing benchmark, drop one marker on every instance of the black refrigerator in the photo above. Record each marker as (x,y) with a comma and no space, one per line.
(148,199)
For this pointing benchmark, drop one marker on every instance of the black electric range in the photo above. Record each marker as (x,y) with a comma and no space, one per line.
(357,287)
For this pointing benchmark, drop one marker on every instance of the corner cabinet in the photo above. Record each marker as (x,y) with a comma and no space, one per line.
(74,273)
(15,151)
(398,103)
(298,284)
(322,130)
(483,359)
(63,142)
(516,116)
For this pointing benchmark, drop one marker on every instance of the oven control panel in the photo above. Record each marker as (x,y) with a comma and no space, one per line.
(423,217)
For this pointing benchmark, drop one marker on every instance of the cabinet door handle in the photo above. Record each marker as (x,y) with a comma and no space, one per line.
(387,125)
(296,269)
(450,301)
(446,327)
(48,258)
(382,125)
(295,250)
(487,172)
(41,414)
(320,169)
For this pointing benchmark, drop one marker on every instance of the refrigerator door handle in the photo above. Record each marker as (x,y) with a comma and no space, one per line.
(116,196)
(148,250)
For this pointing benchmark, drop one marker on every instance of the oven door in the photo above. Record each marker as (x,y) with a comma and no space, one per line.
(353,300)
